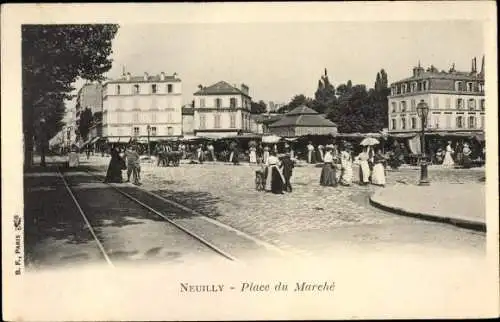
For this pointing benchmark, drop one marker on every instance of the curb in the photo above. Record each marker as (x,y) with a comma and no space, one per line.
(459,222)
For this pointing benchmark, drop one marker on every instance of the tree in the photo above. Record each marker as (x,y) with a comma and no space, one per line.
(324,97)
(296,101)
(258,108)
(53,57)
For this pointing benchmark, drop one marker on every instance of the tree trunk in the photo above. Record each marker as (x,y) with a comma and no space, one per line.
(28,150)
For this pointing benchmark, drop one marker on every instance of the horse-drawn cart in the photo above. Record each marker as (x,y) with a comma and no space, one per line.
(165,158)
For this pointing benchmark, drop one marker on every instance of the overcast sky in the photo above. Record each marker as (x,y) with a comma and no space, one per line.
(280,60)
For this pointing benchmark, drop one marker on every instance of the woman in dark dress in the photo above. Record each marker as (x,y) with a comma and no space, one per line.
(116,165)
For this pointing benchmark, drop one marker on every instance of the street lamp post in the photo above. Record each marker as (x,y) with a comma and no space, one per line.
(149,146)
(423,111)
(42,141)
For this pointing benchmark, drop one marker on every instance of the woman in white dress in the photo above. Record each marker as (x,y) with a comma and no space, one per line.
(253,154)
(346,163)
(265,155)
(378,174)
(364,168)
(448,159)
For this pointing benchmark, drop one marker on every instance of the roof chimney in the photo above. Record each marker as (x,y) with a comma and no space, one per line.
(146,76)
(200,86)
(162,76)
(128,76)
(175,75)
(475,65)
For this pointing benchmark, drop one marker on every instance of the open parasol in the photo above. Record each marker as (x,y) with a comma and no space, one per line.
(369,141)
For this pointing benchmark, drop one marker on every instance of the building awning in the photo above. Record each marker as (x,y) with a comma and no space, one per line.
(114,140)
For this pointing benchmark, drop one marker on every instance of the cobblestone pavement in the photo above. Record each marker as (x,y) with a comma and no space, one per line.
(227,193)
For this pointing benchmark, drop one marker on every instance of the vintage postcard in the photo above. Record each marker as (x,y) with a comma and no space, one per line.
(236,161)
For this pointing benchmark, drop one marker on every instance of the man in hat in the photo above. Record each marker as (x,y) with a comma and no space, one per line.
(133,165)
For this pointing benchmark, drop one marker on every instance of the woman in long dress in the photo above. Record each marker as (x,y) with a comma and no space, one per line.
(364,168)
(327,177)
(265,155)
(466,158)
(448,159)
(321,153)
(275,180)
(253,154)
(116,165)
(346,163)
(378,174)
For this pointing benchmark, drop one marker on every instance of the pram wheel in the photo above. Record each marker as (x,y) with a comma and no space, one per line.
(259,181)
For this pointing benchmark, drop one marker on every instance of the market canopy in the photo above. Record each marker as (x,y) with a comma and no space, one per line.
(303,116)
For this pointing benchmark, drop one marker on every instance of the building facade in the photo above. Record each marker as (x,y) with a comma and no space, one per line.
(187,120)
(222,110)
(142,106)
(456,100)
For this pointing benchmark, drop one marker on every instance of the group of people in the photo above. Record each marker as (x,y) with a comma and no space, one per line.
(278,171)
(462,155)
(338,166)
(128,160)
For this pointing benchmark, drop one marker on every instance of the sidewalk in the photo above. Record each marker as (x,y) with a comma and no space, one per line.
(462,205)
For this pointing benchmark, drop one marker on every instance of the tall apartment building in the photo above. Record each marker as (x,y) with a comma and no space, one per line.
(456,100)
(132,105)
(222,109)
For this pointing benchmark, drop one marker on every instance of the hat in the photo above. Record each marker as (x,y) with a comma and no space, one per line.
(329,147)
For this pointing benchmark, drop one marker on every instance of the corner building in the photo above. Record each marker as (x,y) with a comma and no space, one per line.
(456,101)
(132,104)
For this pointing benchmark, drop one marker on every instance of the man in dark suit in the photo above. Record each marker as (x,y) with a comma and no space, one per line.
(287,165)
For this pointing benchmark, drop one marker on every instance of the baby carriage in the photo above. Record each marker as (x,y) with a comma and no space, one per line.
(260,179)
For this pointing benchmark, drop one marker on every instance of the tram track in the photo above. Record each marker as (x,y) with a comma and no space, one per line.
(148,208)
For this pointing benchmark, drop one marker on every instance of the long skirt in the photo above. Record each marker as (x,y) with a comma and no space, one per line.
(328,175)
(364,172)
(277,183)
(448,160)
(346,177)
(253,157)
(114,173)
(466,161)
(378,175)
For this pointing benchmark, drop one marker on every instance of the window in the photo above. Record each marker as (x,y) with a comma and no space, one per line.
(403,106)
(469,87)
(170,130)
(425,85)
(460,103)
(413,105)
(218,103)
(481,87)
(448,102)
(232,120)
(232,102)
(169,88)
(153,131)
(203,121)
(135,117)
(471,104)
(472,122)
(436,122)
(153,89)
(393,124)
(393,107)
(459,122)
(136,131)
(217,121)
(448,121)
(117,89)
(136,89)
(459,86)
(413,123)
(482,104)
(202,102)
(403,123)
(413,87)
(169,117)
(482,121)
(436,103)
(153,117)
